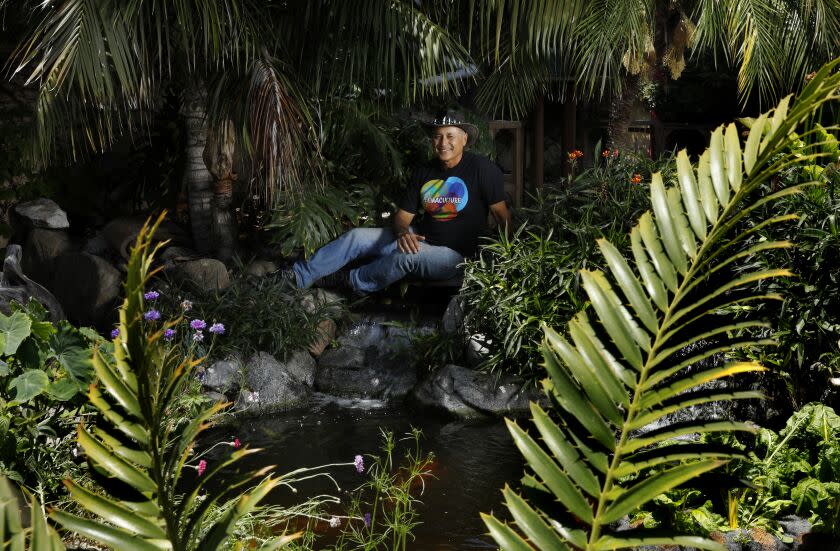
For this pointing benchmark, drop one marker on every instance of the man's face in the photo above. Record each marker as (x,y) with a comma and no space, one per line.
(449,142)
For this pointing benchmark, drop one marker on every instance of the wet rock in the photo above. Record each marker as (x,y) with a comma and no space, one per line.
(206,275)
(301,366)
(42,213)
(271,386)
(324,335)
(467,393)
(215,397)
(223,375)
(453,316)
(372,360)
(260,268)
(174,255)
(40,250)
(476,350)
(15,286)
(121,233)
(98,246)
(88,288)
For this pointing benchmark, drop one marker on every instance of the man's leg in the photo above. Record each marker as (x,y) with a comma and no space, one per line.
(333,256)
(432,262)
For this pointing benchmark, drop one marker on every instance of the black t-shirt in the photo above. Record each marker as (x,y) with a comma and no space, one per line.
(455,201)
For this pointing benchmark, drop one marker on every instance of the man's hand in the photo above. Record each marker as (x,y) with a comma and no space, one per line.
(409,243)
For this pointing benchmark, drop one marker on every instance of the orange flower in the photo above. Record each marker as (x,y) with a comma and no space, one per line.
(636,179)
(576,154)
(605,153)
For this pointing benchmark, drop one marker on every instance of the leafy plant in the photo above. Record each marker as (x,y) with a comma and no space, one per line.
(13,535)
(140,452)
(44,369)
(631,360)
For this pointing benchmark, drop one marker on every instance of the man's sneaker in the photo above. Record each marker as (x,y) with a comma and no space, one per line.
(286,276)
(335,280)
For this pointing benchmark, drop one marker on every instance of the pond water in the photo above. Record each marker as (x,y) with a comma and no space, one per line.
(474,459)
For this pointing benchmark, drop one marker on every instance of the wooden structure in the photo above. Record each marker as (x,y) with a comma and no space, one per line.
(515,180)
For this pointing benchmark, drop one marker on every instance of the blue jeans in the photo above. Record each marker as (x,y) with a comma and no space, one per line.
(388,263)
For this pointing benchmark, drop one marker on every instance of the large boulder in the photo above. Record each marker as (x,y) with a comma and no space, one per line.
(40,250)
(205,275)
(223,375)
(88,288)
(372,360)
(274,385)
(468,394)
(15,286)
(42,213)
(121,233)
(453,317)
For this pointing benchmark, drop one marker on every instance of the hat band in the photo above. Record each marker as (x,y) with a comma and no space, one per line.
(447,121)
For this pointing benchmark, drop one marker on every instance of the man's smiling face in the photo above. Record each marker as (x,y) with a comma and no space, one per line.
(449,143)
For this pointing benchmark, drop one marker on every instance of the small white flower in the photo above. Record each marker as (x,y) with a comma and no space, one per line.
(253,396)
(198,336)
(335,522)
(186,305)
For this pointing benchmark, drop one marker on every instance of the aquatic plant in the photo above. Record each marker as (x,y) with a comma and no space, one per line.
(633,356)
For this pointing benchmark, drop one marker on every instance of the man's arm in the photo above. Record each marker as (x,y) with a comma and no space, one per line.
(502,216)
(407,242)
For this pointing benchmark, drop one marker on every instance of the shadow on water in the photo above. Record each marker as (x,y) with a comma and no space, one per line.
(473,460)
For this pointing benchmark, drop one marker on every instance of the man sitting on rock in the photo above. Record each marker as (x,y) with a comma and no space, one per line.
(455,190)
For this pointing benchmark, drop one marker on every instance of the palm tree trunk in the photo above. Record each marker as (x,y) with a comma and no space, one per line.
(197,179)
(218,156)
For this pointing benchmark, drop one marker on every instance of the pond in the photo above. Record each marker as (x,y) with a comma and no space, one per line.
(473,460)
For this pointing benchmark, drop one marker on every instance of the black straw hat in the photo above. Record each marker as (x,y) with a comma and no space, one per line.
(452,117)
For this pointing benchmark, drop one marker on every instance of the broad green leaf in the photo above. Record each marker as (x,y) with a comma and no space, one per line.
(63,389)
(4,369)
(116,387)
(130,427)
(29,384)
(14,329)
(652,486)
(594,367)
(42,330)
(138,457)
(529,521)
(686,237)
(504,535)
(623,330)
(545,467)
(71,351)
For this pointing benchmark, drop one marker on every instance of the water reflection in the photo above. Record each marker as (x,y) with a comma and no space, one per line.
(473,461)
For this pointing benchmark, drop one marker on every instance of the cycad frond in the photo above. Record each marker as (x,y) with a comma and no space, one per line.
(140,449)
(635,357)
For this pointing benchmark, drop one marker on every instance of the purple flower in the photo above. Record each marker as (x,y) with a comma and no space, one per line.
(217,329)
(359,463)
(115,333)
(169,334)
(198,336)
(198,324)
(367,520)
(151,295)
(151,315)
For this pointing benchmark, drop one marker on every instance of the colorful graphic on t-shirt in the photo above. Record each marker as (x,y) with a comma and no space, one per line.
(444,199)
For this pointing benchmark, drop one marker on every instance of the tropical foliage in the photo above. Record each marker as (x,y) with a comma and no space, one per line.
(142,455)
(44,371)
(13,534)
(634,360)
(530,278)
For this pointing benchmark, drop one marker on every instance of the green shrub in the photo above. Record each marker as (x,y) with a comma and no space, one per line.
(531,278)
(44,371)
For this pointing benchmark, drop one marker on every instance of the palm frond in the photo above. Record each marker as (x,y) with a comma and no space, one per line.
(268,108)
(634,356)
(13,534)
